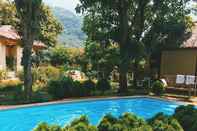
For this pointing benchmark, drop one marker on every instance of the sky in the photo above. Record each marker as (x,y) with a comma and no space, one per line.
(67,4)
(71,4)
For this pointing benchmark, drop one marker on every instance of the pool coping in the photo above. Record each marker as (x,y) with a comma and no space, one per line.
(65,101)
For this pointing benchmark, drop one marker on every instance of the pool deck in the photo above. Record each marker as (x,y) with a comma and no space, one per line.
(173,99)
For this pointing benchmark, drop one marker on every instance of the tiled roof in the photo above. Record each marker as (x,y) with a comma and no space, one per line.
(39,44)
(8,32)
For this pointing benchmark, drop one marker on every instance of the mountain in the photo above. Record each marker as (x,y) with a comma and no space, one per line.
(72,35)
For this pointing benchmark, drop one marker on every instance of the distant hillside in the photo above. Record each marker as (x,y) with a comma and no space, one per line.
(72,35)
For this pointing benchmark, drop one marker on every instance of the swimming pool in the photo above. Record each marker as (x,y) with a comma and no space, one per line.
(25,119)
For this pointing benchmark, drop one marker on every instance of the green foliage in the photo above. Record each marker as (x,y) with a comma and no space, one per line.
(107,122)
(100,60)
(46,127)
(20,75)
(66,87)
(158,88)
(78,90)
(12,88)
(50,26)
(187,117)
(60,88)
(140,27)
(10,63)
(45,73)
(3,74)
(74,55)
(41,76)
(82,119)
(162,122)
(81,124)
(125,122)
(12,85)
(103,85)
(42,127)
(89,86)
(8,13)
(58,56)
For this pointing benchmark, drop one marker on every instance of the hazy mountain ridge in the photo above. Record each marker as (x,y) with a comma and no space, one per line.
(72,35)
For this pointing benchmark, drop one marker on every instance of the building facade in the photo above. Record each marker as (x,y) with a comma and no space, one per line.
(11,49)
(182,60)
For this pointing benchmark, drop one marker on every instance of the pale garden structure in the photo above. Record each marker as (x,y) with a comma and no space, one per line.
(11,50)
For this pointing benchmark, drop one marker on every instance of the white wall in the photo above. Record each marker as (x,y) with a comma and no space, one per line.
(19,58)
(2,56)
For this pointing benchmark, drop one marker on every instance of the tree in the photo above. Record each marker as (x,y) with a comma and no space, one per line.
(168,29)
(50,27)
(120,21)
(161,122)
(101,60)
(58,56)
(127,22)
(113,23)
(8,14)
(28,11)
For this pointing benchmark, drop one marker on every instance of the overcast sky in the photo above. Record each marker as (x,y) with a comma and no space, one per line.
(67,4)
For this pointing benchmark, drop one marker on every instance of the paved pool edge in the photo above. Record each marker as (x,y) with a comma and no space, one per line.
(3,108)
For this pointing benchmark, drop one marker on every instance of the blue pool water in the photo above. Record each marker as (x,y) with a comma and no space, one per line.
(25,119)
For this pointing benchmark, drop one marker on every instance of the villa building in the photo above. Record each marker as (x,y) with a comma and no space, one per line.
(11,49)
(182,60)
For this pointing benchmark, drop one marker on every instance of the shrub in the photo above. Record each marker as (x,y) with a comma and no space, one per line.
(162,122)
(187,117)
(107,122)
(158,88)
(126,122)
(20,75)
(132,122)
(60,88)
(39,96)
(66,87)
(3,74)
(46,127)
(103,85)
(46,73)
(89,86)
(77,89)
(81,124)
(42,127)
(12,89)
(11,85)
(41,76)
(58,56)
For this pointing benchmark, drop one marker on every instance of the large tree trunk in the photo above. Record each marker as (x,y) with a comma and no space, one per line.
(124,28)
(27,63)
(29,11)
(28,39)
(122,79)
(135,73)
